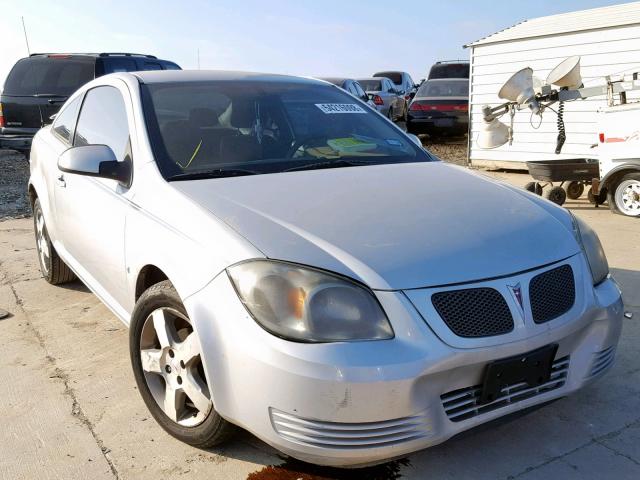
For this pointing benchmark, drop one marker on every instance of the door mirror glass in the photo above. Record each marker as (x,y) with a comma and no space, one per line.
(95,161)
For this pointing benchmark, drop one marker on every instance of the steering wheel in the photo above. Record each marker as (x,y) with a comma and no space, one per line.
(296,144)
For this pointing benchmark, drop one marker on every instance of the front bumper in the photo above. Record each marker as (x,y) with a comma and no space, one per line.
(354,404)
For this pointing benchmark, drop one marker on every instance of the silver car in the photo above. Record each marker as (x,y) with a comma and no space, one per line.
(291,263)
(388,100)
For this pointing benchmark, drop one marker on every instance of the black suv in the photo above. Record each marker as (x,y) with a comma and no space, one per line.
(38,85)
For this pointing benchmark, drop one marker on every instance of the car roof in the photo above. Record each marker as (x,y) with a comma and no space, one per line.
(168,76)
(102,54)
(336,80)
(452,79)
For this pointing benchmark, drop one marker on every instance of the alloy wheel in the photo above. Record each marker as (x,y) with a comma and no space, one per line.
(627,197)
(42,241)
(172,365)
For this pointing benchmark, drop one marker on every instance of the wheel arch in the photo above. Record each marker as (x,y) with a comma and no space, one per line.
(613,177)
(148,276)
(31,192)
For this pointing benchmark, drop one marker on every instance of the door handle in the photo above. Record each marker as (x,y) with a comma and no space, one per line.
(61,182)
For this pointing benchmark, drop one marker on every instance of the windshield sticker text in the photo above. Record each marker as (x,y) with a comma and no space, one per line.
(339,108)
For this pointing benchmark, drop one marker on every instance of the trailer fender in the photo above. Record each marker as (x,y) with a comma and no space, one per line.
(611,178)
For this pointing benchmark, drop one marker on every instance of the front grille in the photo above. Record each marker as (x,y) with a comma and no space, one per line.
(463,404)
(601,362)
(552,293)
(336,435)
(474,312)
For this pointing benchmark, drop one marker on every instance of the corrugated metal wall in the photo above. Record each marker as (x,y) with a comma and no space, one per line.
(603,52)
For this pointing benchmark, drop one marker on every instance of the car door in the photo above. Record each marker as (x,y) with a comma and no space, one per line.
(61,138)
(91,210)
(390,90)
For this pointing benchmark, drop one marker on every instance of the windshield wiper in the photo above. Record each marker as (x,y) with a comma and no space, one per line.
(217,173)
(339,163)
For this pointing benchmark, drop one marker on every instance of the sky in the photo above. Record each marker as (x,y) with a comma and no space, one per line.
(301,37)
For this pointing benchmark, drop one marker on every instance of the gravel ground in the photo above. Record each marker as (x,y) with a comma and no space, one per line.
(454,151)
(14,174)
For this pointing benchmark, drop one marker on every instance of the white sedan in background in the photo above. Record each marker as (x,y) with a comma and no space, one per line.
(291,263)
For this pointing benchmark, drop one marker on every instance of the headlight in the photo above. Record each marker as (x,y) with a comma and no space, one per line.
(590,243)
(308,305)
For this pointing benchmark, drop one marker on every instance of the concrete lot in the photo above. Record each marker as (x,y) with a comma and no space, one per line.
(70,409)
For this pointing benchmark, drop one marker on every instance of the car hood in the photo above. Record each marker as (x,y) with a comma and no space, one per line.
(390,226)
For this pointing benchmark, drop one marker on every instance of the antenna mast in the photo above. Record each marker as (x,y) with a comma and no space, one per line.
(26,39)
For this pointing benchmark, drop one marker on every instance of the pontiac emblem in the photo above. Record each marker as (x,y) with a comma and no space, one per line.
(516,292)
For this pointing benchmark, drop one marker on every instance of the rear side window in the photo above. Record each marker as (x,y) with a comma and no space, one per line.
(152,66)
(171,66)
(114,65)
(65,122)
(103,121)
(48,76)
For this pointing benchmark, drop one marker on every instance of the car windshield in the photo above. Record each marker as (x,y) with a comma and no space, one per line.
(443,88)
(371,85)
(224,128)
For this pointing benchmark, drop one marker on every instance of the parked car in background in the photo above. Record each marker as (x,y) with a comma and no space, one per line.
(440,107)
(387,99)
(449,69)
(38,85)
(288,261)
(403,82)
(351,86)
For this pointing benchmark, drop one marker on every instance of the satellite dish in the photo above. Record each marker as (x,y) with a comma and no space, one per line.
(493,134)
(519,88)
(566,74)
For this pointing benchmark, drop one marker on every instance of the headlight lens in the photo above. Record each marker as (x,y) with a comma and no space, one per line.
(308,305)
(590,243)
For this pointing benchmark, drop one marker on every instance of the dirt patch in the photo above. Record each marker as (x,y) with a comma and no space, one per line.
(296,470)
(14,175)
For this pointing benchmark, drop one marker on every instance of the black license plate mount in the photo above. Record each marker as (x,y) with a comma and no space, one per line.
(533,367)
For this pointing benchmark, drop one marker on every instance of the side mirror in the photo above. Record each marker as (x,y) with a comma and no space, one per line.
(415,139)
(365,98)
(96,161)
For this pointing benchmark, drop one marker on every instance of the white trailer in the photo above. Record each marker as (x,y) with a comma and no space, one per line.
(608,41)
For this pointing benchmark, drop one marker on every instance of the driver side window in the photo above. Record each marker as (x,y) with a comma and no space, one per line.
(103,121)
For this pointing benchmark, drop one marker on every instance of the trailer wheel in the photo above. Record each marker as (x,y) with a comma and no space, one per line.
(597,199)
(625,197)
(534,187)
(575,190)
(557,195)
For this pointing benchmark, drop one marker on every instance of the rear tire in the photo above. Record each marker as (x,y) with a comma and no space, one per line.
(53,269)
(624,199)
(177,368)
(557,195)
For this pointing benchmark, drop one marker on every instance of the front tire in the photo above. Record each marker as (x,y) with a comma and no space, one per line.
(167,365)
(53,269)
(625,197)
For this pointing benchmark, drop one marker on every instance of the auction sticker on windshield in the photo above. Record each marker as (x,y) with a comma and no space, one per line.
(340,108)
